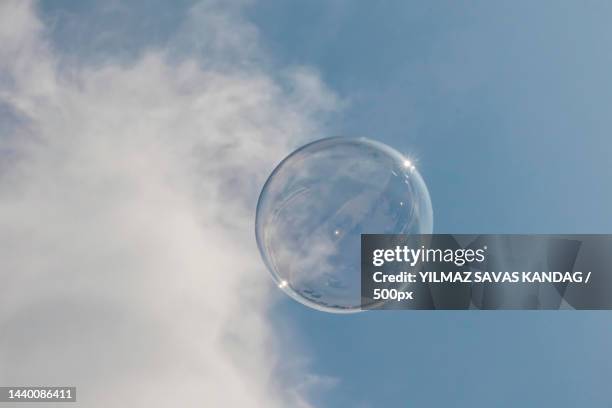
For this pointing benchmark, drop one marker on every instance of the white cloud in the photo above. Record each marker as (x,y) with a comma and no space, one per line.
(127,191)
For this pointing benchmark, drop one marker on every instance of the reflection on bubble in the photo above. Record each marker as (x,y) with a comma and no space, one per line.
(317,203)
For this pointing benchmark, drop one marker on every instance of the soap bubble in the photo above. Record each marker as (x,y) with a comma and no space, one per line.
(317,203)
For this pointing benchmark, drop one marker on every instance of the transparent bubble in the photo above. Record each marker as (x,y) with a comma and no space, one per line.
(317,203)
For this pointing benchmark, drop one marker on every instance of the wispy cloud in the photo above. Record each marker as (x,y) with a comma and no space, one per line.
(127,193)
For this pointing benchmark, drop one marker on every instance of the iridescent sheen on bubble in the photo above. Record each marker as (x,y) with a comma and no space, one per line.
(317,203)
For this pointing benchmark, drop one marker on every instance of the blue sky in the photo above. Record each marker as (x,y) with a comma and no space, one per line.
(506,106)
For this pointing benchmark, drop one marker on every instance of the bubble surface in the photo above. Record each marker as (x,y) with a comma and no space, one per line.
(317,203)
